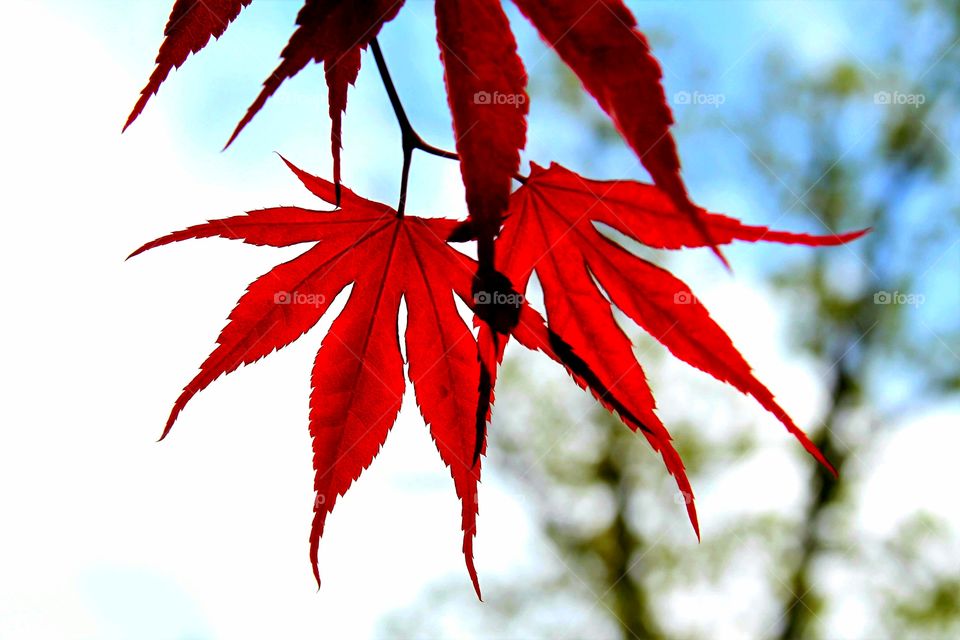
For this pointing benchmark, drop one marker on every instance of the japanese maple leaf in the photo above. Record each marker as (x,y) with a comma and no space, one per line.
(333,32)
(486,87)
(551,229)
(485,79)
(191,25)
(357,378)
(600,42)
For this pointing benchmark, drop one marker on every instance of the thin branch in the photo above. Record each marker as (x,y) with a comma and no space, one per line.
(402,119)
(410,139)
(404,179)
(435,151)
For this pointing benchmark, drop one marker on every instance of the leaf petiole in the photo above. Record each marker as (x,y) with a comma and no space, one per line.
(409,138)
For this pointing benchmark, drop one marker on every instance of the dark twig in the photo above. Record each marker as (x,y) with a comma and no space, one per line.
(409,138)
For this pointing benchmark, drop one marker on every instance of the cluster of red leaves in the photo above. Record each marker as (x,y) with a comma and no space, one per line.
(547,226)
(598,39)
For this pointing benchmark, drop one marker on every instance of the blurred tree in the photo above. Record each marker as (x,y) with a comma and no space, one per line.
(863,328)
(877,319)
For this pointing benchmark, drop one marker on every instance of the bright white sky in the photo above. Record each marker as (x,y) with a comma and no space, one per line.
(108,534)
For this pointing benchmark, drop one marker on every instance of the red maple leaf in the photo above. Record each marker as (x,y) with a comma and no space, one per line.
(191,25)
(357,377)
(486,86)
(486,83)
(550,229)
(330,31)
